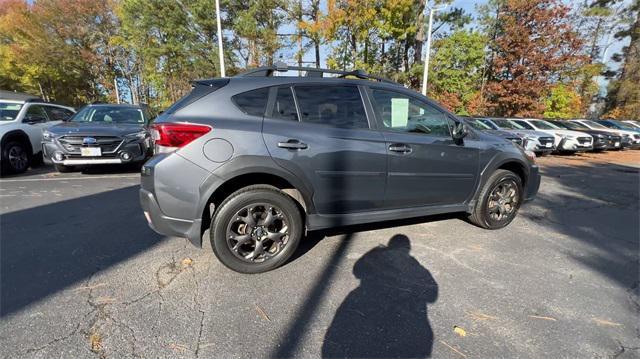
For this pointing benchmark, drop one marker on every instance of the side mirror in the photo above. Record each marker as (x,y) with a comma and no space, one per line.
(460,131)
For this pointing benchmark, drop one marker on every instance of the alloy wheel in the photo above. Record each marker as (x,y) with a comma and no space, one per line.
(257,232)
(18,158)
(503,200)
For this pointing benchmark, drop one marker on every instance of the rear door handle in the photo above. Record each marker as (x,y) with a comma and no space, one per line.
(400,148)
(293,145)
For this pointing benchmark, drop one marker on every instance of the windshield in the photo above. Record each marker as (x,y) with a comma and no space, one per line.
(595,125)
(509,125)
(544,125)
(109,114)
(479,125)
(9,110)
(489,123)
(571,125)
(624,126)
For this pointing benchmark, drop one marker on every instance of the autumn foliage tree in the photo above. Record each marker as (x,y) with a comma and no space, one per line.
(534,44)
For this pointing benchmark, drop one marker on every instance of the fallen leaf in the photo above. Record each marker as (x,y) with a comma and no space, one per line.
(96,342)
(606,323)
(542,317)
(262,313)
(461,332)
(187,262)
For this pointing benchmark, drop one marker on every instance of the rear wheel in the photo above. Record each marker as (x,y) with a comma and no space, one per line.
(15,157)
(499,201)
(256,229)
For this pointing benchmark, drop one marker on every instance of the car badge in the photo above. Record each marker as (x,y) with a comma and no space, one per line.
(89,141)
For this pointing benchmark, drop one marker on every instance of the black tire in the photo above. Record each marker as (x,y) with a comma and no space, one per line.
(63,168)
(233,218)
(15,157)
(482,216)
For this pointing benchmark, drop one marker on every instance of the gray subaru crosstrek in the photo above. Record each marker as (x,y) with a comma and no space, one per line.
(260,158)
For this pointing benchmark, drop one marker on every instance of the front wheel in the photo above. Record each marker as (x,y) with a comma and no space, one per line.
(499,201)
(256,229)
(15,157)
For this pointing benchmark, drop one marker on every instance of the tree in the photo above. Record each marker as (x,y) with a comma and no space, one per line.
(563,102)
(457,67)
(533,46)
(623,96)
(57,48)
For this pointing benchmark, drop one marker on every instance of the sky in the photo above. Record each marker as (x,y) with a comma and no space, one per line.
(470,6)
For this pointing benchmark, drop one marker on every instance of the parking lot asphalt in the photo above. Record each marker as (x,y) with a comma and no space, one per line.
(82,275)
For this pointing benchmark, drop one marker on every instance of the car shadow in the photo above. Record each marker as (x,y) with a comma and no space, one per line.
(39,257)
(386,315)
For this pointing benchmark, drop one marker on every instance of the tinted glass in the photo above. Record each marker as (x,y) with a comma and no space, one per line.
(594,124)
(338,106)
(9,111)
(35,113)
(479,125)
(58,114)
(285,107)
(544,125)
(400,112)
(523,124)
(489,123)
(110,114)
(199,91)
(509,125)
(253,102)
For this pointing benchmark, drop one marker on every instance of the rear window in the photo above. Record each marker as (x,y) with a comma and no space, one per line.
(200,90)
(252,102)
(338,106)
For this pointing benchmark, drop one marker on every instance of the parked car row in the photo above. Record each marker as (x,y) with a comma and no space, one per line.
(32,130)
(563,136)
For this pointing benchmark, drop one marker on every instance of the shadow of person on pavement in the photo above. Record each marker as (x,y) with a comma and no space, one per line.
(386,316)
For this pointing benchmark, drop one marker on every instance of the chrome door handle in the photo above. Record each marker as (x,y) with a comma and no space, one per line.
(400,148)
(293,145)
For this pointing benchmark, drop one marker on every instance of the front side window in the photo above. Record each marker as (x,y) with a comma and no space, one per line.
(252,102)
(35,113)
(400,112)
(109,114)
(337,106)
(285,106)
(58,114)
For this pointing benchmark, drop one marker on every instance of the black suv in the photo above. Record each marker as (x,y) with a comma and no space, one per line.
(260,159)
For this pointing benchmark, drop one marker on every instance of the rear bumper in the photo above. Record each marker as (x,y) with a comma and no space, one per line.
(533,183)
(165,225)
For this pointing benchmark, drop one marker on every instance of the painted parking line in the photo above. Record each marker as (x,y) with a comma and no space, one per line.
(66,178)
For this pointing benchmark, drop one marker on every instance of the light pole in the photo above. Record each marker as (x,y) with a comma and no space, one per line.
(220,51)
(425,77)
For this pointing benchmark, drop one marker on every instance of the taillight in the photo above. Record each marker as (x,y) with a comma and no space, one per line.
(169,136)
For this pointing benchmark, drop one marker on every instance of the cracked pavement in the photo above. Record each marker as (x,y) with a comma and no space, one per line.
(83,276)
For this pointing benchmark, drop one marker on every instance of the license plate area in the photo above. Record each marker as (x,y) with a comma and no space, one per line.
(548,145)
(90,152)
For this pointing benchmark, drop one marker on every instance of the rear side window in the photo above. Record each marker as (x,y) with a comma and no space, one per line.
(285,107)
(338,106)
(200,90)
(252,102)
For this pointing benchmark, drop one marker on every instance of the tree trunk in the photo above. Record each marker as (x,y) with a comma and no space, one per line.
(420,35)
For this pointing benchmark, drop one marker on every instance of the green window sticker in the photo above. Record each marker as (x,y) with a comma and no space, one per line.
(399,112)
